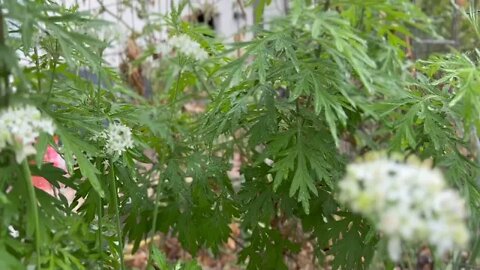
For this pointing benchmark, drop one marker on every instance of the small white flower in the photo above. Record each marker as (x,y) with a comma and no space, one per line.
(407,203)
(20,127)
(164,49)
(13,233)
(106,166)
(185,45)
(394,248)
(268,161)
(118,138)
(390,222)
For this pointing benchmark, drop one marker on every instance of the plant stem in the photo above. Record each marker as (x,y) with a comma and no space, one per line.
(2,32)
(154,223)
(37,66)
(53,67)
(32,199)
(4,72)
(99,82)
(202,82)
(117,215)
(99,231)
(177,85)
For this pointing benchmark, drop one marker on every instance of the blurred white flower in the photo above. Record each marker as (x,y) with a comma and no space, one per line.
(185,45)
(164,49)
(5,138)
(408,203)
(13,233)
(118,138)
(394,248)
(20,126)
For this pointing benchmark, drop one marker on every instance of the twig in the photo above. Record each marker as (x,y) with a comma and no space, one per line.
(242,9)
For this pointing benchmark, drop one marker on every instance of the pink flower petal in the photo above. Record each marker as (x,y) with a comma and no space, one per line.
(51,156)
(42,183)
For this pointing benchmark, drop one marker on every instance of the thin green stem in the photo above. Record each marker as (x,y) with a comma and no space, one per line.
(174,99)
(4,72)
(97,97)
(2,32)
(37,67)
(202,82)
(52,75)
(154,222)
(99,231)
(32,200)
(99,83)
(117,215)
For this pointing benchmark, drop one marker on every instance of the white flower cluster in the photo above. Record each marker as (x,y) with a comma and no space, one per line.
(408,202)
(184,45)
(118,138)
(20,126)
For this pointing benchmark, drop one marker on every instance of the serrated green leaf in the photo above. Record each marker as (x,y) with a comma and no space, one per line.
(159,258)
(27,33)
(90,172)
(41,147)
(316,28)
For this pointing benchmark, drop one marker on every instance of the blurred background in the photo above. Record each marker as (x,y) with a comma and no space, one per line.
(136,26)
(231,18)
